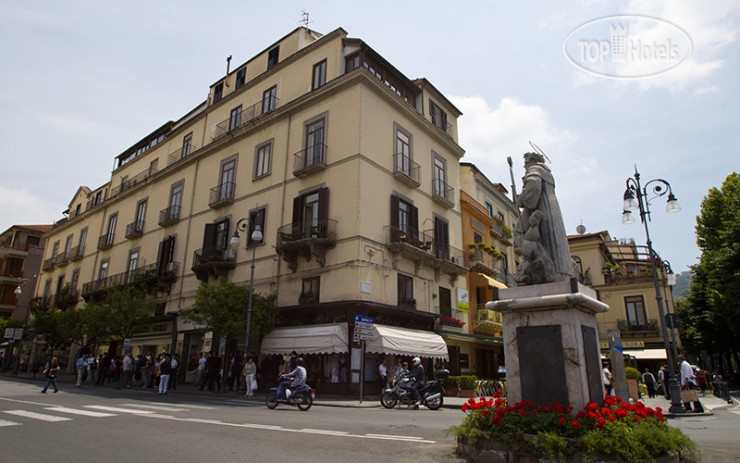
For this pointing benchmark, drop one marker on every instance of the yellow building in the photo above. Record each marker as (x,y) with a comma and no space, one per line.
(350,169)
(621,272)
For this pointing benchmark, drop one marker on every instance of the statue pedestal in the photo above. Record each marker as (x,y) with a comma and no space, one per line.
(551,343)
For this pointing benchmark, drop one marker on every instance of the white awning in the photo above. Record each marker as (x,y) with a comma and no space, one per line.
(405,341)
(647,354)
(312,339)
(494,282)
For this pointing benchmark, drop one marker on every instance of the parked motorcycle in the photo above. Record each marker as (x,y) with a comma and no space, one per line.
(431,394)
(301,397)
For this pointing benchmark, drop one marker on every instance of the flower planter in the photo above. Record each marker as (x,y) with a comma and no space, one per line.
(490,451)
(452,391)
(465,393)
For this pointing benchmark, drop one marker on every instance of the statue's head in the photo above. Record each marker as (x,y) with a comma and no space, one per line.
(533,158)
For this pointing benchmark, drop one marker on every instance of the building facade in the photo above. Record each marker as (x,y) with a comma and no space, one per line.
(350,169)
(621,272)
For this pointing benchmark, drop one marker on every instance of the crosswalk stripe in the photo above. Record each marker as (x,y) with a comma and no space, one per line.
(4,423)
(158,408)
(119,409)
(37,416)
(76,411)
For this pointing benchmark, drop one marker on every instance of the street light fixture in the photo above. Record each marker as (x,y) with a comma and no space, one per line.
(636,198)
(18,291)
(256,237)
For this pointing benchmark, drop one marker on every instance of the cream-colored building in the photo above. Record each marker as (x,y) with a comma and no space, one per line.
(621,272)
(350,169)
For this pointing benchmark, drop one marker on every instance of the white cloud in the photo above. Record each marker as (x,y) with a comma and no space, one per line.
(21,207)
(490,134)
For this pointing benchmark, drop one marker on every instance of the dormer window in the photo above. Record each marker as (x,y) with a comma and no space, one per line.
(241,77)
(218,92)
(273,56)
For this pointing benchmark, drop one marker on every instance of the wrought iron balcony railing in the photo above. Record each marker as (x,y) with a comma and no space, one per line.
(134,230)
(246,117)
(406,170)
(169,215)
(309,160)
(222,194)
(443,193)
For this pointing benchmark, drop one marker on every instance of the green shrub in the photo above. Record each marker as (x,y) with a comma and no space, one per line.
(631,373)
(452,382)
(468,383)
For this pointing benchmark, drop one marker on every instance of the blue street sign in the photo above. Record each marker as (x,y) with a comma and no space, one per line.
(363,319)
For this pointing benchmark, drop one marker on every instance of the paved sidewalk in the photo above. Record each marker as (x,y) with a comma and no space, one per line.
(710,402)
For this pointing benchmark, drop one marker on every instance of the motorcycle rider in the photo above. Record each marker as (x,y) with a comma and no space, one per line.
(297,378)
(417,376)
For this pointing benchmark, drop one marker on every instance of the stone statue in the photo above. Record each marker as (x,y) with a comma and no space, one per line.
(540,233)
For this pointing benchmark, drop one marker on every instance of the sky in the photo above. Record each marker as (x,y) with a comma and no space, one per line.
(82,81)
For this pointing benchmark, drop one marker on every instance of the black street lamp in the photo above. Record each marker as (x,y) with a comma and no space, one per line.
(256,237)
(636,198)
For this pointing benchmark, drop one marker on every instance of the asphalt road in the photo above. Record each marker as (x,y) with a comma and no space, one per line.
(110,425)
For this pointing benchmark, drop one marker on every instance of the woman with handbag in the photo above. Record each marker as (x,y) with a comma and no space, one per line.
(249,372)
(688,386)
(51,373)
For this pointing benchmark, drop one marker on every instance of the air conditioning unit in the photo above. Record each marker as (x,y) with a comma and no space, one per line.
(172,267)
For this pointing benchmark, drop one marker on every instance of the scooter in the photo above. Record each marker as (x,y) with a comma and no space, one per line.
(431,394)
(301,397)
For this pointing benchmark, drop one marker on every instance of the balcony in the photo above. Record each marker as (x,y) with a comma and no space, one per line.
(296,239)
(169,215)
(628,328)
(421,248)
(247,118)
(134,230)
(131,182)
(488,322)
(62,260)
(443,194)
(157,276)
(222,195)
(406,170)
(215,262)
(105,242)
(76,253)
(502,232)
(48,264)
(181,153)
(309,160)
(480,261)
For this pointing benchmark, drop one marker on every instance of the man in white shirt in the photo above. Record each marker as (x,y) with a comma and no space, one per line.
(688,381)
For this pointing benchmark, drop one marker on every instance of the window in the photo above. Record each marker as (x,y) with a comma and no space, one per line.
(98,198)
(236,118)
(311,214)
(635,306)
(139,217)
(67,247)
(187,145)
(269,99)
(477,238)
(218,92)
(226,182)
(216,240)
(75,280)
(405,290)
(404,221)
(445,302)
(133,262)
(60,285)
(173,210)
(256,218)
(439,176)
(310,289)
(352,62)
(314,143)
(241,77)
(111,231)
(501,216)
(441,238)
(165,255)
(81,245)
(47,289)
(103,271)
(439,117)
(54,251)
(403,152)
(319,75)
(273,56)
(262,160)
(489,208)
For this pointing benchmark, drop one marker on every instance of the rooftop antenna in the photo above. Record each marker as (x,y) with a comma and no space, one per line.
(304,18)
(538,150)
(228,66)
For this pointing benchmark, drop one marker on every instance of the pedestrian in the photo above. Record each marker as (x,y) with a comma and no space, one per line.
(235,370)
(606,377)
(213,372)
(165,367)
(127,370)
(649,381)
(663,379)
(382,376)
(688,383)
(175,368)
(103,368)
(81,366)
(92,367)
(200,371)
(146,372)
(51,374)
(250,373)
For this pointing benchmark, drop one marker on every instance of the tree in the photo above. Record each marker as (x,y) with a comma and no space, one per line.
(712,314)
(222,308)
(120,313)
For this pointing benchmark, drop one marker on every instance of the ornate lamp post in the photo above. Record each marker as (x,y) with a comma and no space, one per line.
(18,291)
(636,198)
(256,237)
